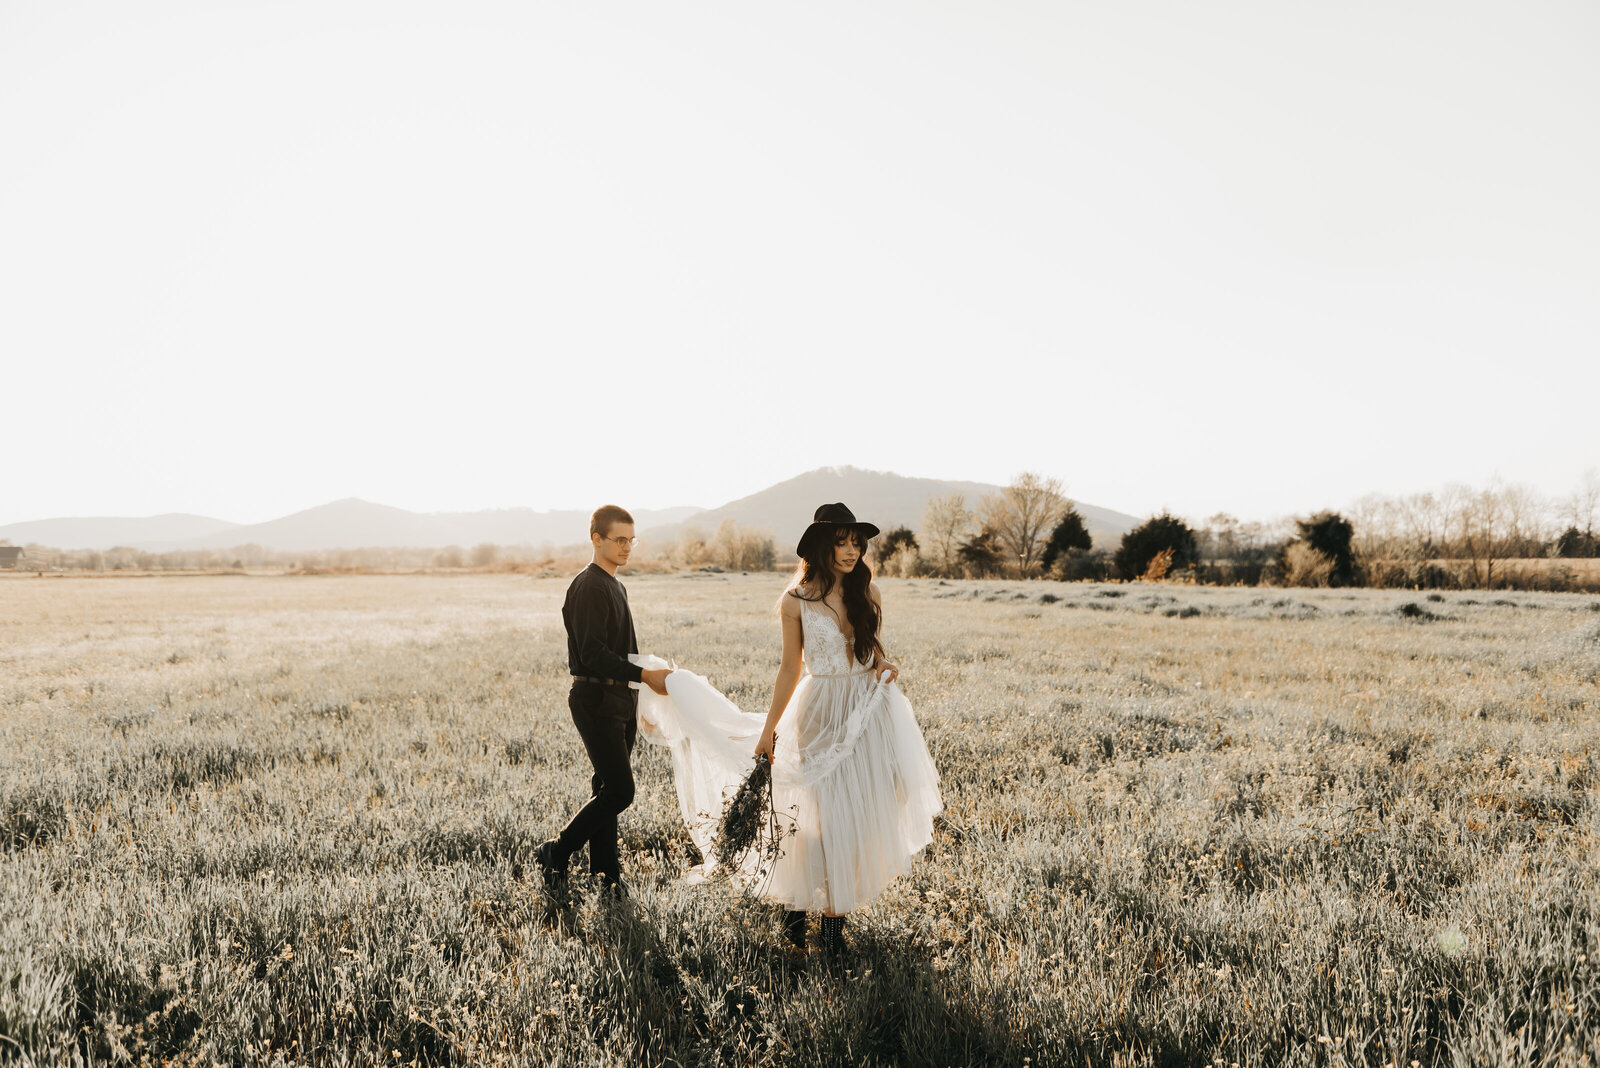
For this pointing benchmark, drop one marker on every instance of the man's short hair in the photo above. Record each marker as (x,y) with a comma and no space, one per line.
(604,516)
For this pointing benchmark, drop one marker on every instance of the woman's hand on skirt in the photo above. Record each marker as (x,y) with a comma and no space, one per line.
(768,740)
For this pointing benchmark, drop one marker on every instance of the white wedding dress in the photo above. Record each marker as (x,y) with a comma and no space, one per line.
(851,774)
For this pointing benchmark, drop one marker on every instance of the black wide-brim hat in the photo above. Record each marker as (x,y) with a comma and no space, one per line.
(829,516)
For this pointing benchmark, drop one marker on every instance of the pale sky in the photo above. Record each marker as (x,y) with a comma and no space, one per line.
(1249,257)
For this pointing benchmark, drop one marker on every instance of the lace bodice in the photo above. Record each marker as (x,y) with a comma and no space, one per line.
(826,651)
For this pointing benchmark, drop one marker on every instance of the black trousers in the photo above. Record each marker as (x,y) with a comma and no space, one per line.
(607,721)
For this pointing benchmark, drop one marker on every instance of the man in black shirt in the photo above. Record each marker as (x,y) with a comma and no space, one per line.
(604,708)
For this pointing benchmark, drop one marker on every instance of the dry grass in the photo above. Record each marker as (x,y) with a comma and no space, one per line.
(1585,570)
(283,820)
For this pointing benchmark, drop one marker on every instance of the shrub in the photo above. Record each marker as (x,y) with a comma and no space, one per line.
(1305,566)
(980,555)
(1145,542)
(1092,566)
(1070,536)
(1575,543)
(896,549)
(733,547)
(1159,565)
(1328,534)
(742,549)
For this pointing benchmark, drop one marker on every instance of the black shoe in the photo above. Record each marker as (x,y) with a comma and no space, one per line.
(554,871)
(614,890)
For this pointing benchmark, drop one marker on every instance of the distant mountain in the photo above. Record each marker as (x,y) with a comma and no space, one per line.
(346,524)
(354,524)
(881,497)
(106,532)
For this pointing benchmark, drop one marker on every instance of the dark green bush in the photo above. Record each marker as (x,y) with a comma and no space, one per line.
(1069,538)
(1152,537)
(1329,533)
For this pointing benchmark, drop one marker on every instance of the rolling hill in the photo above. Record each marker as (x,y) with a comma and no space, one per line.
(106,532)
(353,523)
(881,497)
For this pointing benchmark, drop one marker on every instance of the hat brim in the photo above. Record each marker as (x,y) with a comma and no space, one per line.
(867,530)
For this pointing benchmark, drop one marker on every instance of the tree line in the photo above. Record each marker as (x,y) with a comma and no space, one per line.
(485,556)
(1463,537)
(731,547)
(1500,536)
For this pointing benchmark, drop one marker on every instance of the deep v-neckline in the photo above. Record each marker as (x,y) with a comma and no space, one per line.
(849,639)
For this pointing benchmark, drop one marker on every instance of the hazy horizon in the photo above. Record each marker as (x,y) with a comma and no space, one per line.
(1232,257)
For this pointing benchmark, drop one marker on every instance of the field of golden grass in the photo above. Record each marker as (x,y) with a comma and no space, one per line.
(289,820)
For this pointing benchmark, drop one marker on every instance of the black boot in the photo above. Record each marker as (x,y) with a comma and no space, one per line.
(552,865)
(833,934)
(794,926)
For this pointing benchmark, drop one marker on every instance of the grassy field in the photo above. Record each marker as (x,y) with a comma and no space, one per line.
(288,820)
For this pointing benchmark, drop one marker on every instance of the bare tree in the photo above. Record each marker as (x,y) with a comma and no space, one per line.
(691,549)
(743,549)
(1219,538)
(1022,516)
(1377,522)
(945,524)
(1473,517)
(1527,521)
(1495,524)
(1579,508)
(1427,519)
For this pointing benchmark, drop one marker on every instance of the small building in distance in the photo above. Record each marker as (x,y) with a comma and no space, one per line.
(10,556)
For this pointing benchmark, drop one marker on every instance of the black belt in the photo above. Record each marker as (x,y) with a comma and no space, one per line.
(598,681)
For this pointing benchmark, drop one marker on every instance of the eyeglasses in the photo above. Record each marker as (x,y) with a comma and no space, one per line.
(622,543)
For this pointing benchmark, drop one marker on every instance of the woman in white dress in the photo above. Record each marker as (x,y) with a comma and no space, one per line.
(849,763)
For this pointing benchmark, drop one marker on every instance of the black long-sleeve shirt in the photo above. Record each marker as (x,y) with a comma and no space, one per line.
(599,627)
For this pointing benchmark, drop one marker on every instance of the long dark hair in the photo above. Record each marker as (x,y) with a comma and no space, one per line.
(815,571)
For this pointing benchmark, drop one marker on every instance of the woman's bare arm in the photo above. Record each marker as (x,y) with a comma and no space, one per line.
(788,669)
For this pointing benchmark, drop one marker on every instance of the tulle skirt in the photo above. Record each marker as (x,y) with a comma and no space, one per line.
(850,765)
(853,785)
